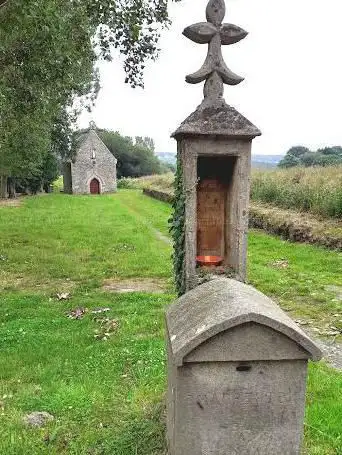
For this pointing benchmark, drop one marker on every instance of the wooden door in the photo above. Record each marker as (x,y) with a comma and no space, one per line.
(94,186)
(211,197)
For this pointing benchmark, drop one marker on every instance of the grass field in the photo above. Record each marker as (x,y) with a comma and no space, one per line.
(108,396)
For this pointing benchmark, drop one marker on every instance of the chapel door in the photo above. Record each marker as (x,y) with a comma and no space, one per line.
(94,186)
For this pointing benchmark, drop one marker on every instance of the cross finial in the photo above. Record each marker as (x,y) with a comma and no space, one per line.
(214,70)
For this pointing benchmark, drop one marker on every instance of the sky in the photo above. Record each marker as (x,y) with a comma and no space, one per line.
(291,61)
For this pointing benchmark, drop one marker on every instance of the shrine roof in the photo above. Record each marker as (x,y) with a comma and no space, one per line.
(218,119)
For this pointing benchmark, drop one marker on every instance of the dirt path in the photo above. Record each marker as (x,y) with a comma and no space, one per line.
(160,235)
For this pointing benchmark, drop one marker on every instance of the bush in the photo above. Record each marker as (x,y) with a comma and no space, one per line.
(58,185)
(128,183)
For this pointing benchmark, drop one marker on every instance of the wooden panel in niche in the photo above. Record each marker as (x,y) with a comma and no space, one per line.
(211,201)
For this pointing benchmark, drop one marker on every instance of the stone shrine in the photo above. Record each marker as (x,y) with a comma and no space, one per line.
(214,152)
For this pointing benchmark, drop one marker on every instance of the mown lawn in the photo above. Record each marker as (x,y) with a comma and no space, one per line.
(108,396)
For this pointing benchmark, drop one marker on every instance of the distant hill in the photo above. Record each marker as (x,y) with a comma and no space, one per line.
(258,161)
(167,157)
(266,161)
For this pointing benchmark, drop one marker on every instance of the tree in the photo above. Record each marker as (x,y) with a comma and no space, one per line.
(298,151)
(302,156)
(48,51)
(46,174)
(131,26)
(309,159)
(336,150)
(289,160)
(146,141)
(293,156)
(46,58)
(134,160)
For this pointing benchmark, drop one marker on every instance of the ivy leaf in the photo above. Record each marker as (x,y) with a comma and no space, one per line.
(200,33)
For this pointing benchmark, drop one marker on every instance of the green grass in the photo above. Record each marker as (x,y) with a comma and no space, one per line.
(301,286)
(108,396)
(82,239)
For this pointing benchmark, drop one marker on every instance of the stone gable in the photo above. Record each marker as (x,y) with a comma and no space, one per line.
(94,166)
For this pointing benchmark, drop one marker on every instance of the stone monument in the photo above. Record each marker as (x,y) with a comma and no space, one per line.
(237,363)
(214,156)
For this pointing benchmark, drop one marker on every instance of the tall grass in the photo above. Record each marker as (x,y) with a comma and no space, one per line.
(317,190)
(162,182)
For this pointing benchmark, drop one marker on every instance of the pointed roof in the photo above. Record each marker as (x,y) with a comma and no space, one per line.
(217,119)
(221,305)
(92,134)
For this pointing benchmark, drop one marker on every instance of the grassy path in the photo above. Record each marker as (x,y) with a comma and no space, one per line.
(107,396)
(145,214)
(81,239)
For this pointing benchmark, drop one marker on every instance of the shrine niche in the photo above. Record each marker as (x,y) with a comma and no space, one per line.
(216,180)
(213,209)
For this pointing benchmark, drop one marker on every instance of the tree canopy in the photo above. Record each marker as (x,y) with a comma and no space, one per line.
(48,55)
(135,159)
(302,156)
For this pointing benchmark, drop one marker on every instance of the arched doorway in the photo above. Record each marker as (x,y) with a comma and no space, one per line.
(94,186)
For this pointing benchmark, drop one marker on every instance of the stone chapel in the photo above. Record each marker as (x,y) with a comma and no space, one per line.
(93,169)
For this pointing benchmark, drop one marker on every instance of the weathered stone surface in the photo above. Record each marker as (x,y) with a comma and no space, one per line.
(248,341)
(217,119)
(229,412)
(215,34)
(93,161)
(38,418)
(160,195)
(219,306)
(237,373)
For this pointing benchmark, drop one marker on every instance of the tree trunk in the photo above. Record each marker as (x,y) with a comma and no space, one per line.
(11,187)
(3,187)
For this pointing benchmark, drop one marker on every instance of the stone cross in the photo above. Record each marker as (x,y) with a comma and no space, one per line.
(214,70)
